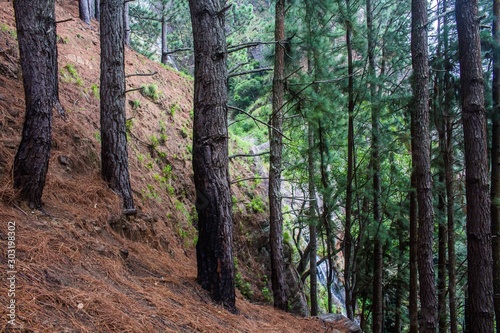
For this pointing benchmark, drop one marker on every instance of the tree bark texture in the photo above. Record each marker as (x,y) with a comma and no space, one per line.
(479,251)
(376,188)
(210,153)
(422,163)
(86,8)
(126,24)
(495,165)
(275,164)
(114,155)
(36,33)
(313,278)
(348,239)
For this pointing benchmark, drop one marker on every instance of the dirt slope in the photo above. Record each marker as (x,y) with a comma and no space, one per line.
(81,266)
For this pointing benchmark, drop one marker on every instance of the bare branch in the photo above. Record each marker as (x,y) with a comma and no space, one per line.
(238,47)
(177,50)
(66,20)
(258,120)
(245,179)
(257,70)
(141,74)
(130,90)
(248,155)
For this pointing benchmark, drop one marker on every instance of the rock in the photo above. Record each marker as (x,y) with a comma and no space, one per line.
(341,322)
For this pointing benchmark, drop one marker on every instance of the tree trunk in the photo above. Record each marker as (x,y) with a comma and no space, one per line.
(114,156)
(421,159)
(126,24)
(210,153)
(350,173)
(276,146)
(495,164)
(479,251)
(86,12)
(313,278)
(36,34)
(97,10)
(413,302)
(375,163)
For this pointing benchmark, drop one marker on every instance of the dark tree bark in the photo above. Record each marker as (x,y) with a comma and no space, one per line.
(86,10)
(413,301)
(375,163)
(479,255)
(97,11)
(276,147)
(421,160)
(36,33)
(495,164)
(479,251)
(114,156)
(313,278)
(126,24)
(210,153)
(448,174)
(348,239)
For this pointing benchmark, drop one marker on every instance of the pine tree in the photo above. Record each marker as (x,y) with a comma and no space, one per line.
(421,160)
(114,155)
(36,34)
(275,164)
(210,153)
(479,251)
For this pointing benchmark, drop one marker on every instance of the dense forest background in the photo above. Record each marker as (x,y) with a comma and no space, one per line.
(370,125)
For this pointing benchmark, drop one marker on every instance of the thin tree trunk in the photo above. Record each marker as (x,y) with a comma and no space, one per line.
(479,250)
(210,153)
(85,11)
(114,156)
(350,172)
(126,24)
(326,217)
(421,159)
(400,288)
(375,163)
(36,34)
(276,146)
(495,164)
(413,302)
(97,10)
(313,278)
(448,174)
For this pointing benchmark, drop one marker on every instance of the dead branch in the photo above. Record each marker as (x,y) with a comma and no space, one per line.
(258,70)
(248,155)
(141,74)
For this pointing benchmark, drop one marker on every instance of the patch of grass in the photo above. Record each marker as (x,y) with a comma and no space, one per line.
(97,136)
(173,109)
(8,29)
(95,90)
(151,91)
(136,104)
(70,74)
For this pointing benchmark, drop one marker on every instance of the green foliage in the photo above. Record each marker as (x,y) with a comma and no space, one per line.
(257,205)
(151,91)
(136,104)
(6,28)
(70,74)
(95,90)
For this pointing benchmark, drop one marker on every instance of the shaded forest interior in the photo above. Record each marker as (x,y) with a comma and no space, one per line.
(218,159)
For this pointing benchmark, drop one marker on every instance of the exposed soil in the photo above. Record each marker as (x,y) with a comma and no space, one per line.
(81,266)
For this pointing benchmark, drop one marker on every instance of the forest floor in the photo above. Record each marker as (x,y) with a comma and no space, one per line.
(80,265)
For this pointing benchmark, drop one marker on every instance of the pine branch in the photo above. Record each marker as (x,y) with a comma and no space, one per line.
(66,20)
